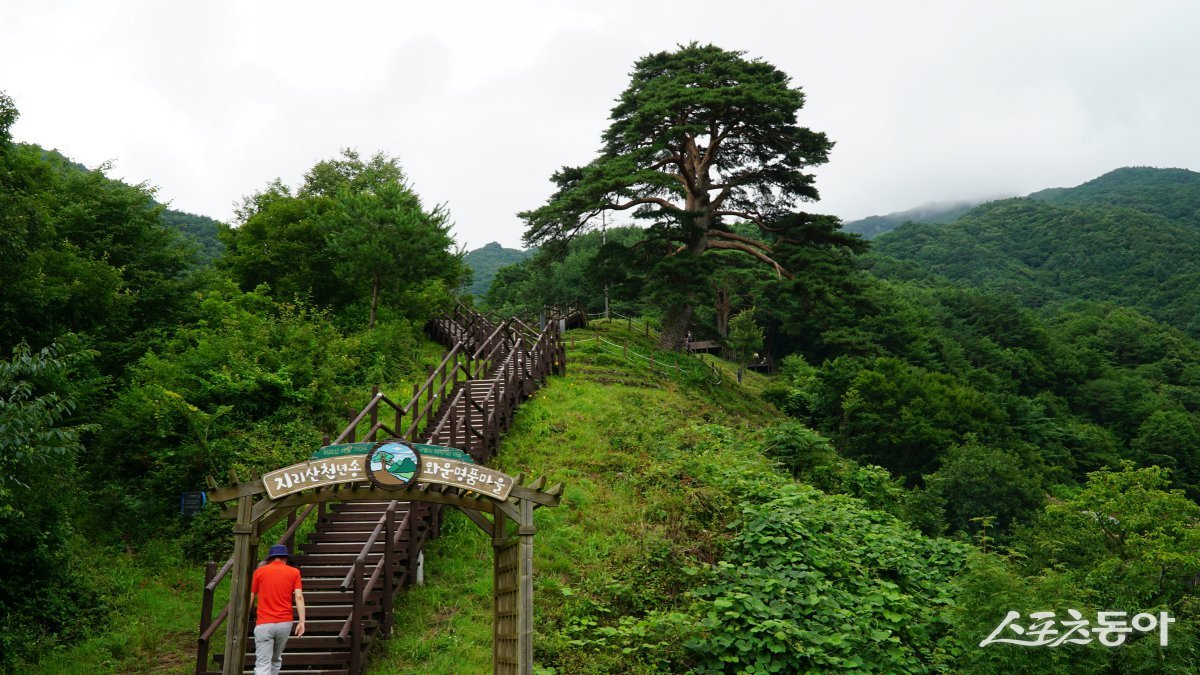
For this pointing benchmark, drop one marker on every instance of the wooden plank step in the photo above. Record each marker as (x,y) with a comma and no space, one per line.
(336,611)
(322,626)
(340,547)
(344,507)
(358,536)
(346,559)
(313,571)
(307,658)
(351,526)
(333,596)
(360,516)
(319,671)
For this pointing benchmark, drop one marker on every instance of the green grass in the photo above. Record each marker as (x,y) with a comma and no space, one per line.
(155,597)
(633,520)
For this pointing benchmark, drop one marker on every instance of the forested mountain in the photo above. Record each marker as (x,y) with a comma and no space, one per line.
(200,229)
(1071,244)
(486,261)
(934,212)
(1171,193)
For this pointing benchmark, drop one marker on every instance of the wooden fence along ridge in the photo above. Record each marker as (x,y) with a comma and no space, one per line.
(362,552)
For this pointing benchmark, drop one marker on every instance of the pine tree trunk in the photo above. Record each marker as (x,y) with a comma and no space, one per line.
(675,327)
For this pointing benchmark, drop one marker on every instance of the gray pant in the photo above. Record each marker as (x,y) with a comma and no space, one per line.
(269,641)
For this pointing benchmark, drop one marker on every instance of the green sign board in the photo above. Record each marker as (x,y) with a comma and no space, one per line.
(344,449)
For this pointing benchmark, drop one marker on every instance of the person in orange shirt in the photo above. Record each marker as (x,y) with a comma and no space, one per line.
(275,583)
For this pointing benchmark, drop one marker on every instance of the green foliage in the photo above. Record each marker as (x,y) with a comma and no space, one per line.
(813,583)
(977,482)
(701,141)
(904,417)
(203,230)
(82,253)
(1093,249)
(250,387)
(40,591)
(1125,542)
(1171,193)
(576,270)
(385,244)
(745,338)
(352,236)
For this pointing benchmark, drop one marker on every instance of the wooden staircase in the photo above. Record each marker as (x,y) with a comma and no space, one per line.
(362,553)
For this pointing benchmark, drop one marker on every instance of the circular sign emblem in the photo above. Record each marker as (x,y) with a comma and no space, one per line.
(392,464)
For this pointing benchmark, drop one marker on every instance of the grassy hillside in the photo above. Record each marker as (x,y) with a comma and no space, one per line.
(679,544)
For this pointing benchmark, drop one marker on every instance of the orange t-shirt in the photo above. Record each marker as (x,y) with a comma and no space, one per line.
(273,583)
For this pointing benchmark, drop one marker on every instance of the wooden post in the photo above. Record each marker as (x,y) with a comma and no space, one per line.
(239,588)
(291,540)
(500,605)
(412,548)
(356,620)
(416,409)
(210,570)
(354,429)
(388,562)
(525,532)
(374,411)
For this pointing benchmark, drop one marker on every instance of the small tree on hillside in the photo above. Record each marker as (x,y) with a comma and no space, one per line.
(385,242)
(745,338)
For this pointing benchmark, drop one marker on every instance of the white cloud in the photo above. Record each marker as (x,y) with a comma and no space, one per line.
(482,100)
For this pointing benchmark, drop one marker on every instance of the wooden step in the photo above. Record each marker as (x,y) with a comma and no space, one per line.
(335,611)
(307,658)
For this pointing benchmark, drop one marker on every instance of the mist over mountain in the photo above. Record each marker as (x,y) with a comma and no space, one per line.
(932,212)
(1129,237)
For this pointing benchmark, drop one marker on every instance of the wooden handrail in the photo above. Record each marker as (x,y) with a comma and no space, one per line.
(404,524)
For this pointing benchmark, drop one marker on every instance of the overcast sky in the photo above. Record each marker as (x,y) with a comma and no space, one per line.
(482,101)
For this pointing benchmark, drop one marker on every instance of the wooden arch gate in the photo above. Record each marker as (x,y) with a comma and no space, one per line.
(368,539)
(510,527)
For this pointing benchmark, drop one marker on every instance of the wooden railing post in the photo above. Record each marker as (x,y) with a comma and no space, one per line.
(356,627)
(291,538)
(389,555)
(374,411)
(412,547)
(206,604)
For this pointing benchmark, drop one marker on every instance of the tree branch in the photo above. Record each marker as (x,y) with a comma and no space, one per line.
(752,217)
(637,202)
(720,234)
(779,271)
